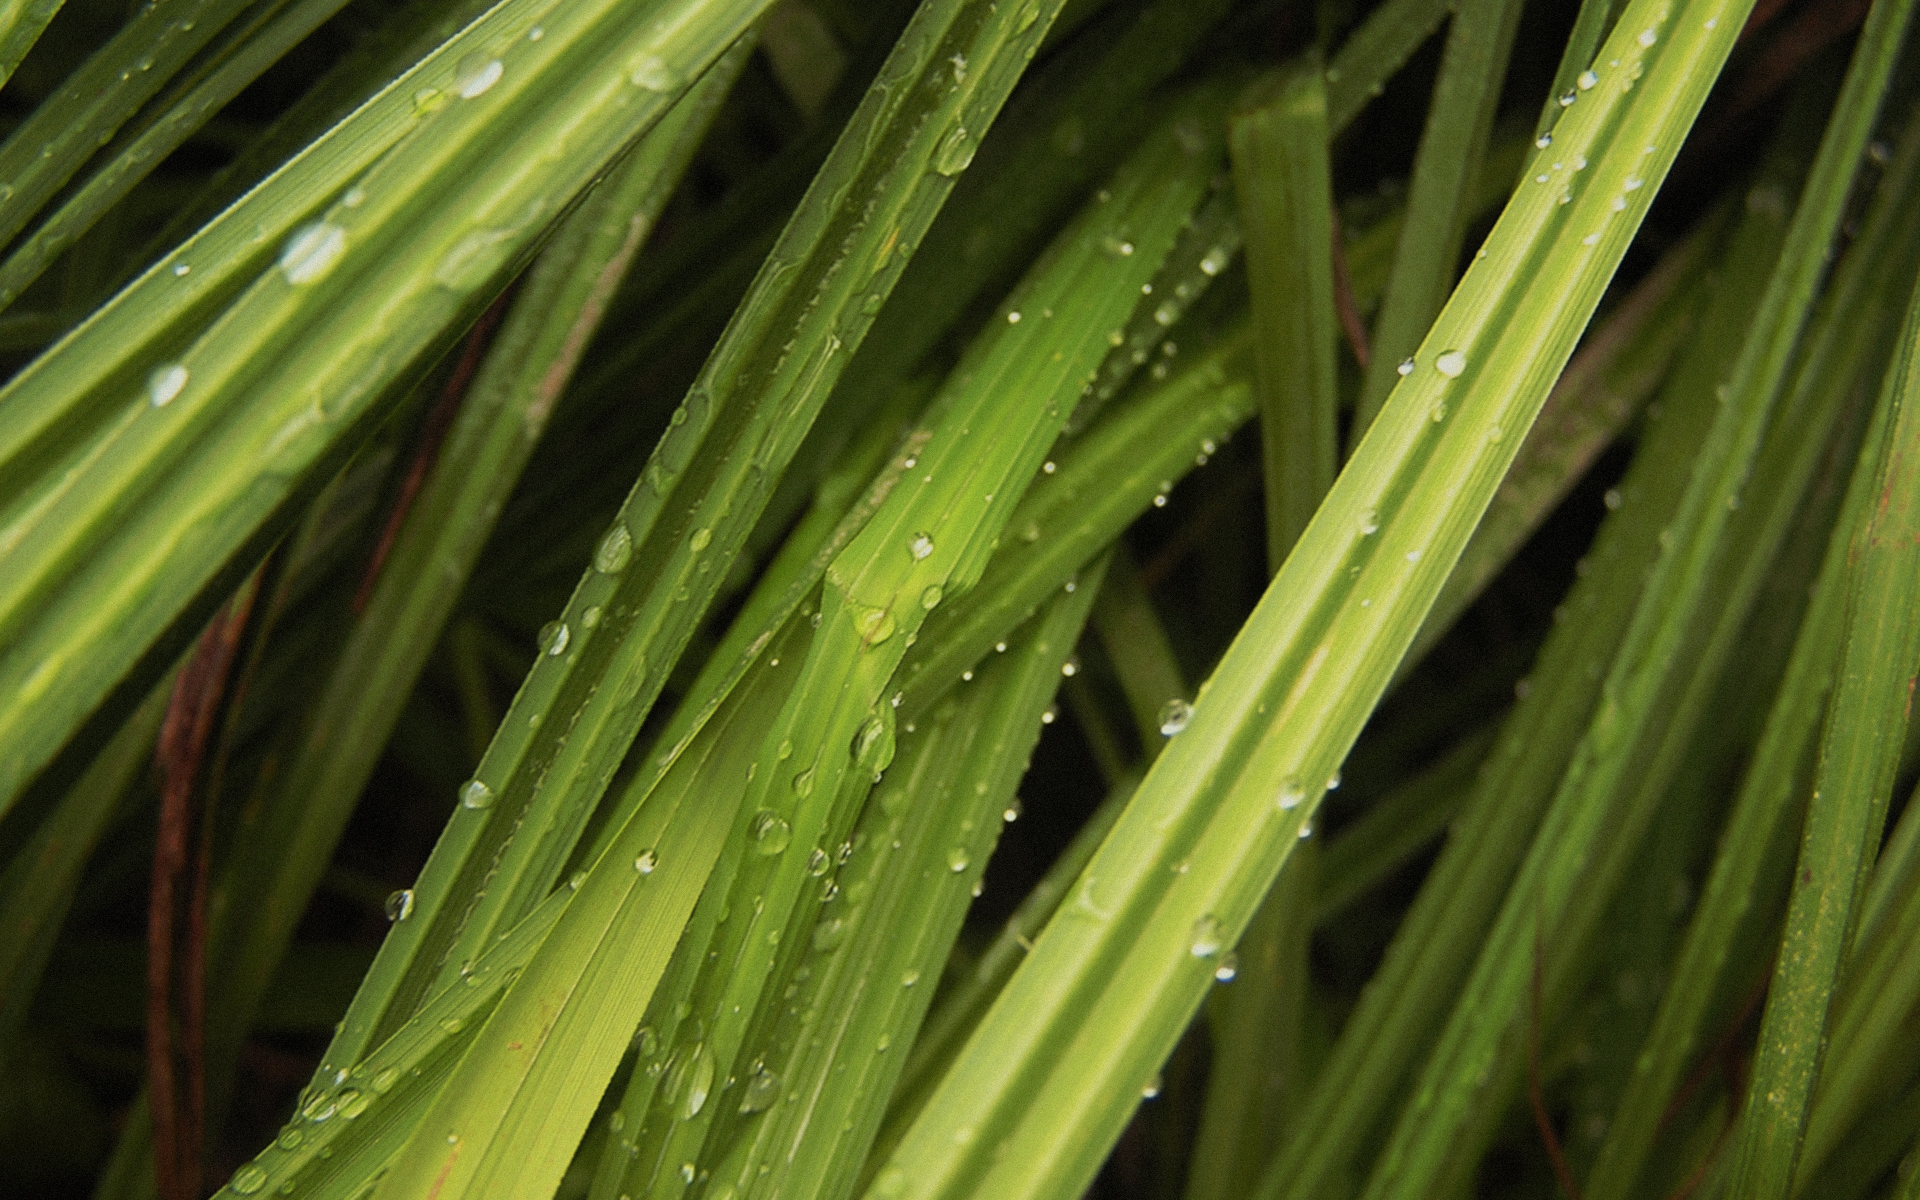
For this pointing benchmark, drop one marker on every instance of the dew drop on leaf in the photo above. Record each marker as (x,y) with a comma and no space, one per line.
(1174,717)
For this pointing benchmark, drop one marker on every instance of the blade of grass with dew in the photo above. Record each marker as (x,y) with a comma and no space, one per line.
(297,823)
(20,27)
(1859,753)
(700,494)
(1453,152)
(110,183)
(38,883)
(1399,825)
(51,145)
(570,1012)
(933,533)
(1109,958)
(1590,27)
(1766,797)
(967,999)
(112,552)
(1425,962)
(1872,1044)
(1619,365)
(1283,180)
(930,831)
(1661,676)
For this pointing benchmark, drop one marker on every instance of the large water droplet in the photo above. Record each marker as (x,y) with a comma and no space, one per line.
(312,251)
(1587,81)
(474,259)
(653,73)
(1207,937)
(763,1089)
(645,862)
(1451,363)
(554,636)
(615,550)
(921,546)
(876,625)
(770,832)
(165,383)
(701,539)
(248,1179)
(1228,967)
(957,859)
(873,745)
(476,795)
(930,598)
(1291,794)
(955,152)
(1174,717)
(353,1102)
(476,75)
(400,905)
(691,1081)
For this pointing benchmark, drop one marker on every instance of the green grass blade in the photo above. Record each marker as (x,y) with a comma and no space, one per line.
(1426,963)
(297,823)
(1375,52)
(21,24)
(703,489)
(1859,755)
(1284,183)
(110,184)
(929,827)
(1453,150)
(120,544)
(1687,622)
(1766,800)
(1115,974)
(931,535)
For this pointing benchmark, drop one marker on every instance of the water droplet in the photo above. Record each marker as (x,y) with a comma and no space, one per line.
(1587,81)
(1117,247)
(353,1102)
(651,72)
(701,539)
(1451,363)
(1633,183)
(400,905)
(1543,141)
(920,546)
(165,383)
(1229,967)
(803,783)
(695,1083)
(829,933)
(1405,368)
(181,270)
(1070,668)
(1369,522)
(1291,794)
(957,859)
(1013,317)
(248,1179)
(872,747)
(930,598)
(1207,937)
(645,862)
(1167,313)
(1612,499)
(476,795)
(554,636)
(1568,97)
(1150,1088)
(290,1139)
(818,862)
(1013,811)
(384,1081)
(1215,261)
(615,550)
(763,1090)
(770,832)
(875,624)
(955,152)
(312,251)
(1647,38)
(1333,782)
(476,75)
(1174,717)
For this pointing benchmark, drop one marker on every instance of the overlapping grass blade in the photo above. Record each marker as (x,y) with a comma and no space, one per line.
(932,534)
(1453,150)
(20,27)
(1860,752)
(929,828)
(701,493)
(173,468)
(1767,798)
(1046,1094)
